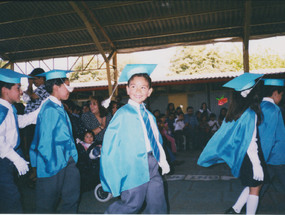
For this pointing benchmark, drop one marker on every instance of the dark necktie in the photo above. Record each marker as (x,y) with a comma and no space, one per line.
(17,127)
(150,134)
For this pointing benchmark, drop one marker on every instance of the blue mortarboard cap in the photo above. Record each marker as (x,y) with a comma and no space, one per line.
(56,73)
(243,82)
(274,82)
(131,69)
(10,76)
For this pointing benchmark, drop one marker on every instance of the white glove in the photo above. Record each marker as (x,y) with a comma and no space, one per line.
(257,172)
(165,169)
(19,162)
(22,166)
(252,153)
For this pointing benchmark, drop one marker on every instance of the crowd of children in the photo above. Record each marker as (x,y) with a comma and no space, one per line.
(191,130)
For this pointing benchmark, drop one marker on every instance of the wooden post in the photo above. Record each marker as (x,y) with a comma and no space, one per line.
(246,34)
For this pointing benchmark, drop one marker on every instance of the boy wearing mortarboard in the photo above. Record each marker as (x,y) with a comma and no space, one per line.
(53,151)
(10,155)
(237,141)
(132,150)
(272,131)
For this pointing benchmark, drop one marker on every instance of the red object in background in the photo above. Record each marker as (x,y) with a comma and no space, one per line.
(222,101)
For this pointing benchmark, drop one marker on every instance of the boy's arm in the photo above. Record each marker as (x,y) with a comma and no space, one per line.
(30,118)
(7,151)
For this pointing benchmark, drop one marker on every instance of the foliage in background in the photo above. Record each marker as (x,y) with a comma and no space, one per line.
(204,59)
(215,58)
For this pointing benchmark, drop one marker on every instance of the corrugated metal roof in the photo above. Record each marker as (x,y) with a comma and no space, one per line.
(183,78)
(33,30)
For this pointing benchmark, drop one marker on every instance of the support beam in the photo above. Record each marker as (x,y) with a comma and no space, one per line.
(89,29)
(246,35)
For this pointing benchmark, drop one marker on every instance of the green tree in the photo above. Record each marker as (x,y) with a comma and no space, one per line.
(204,59)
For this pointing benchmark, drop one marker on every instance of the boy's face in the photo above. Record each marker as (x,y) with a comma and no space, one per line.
(12,95)
(277,97)
(61,92)
(138,89)
(88,138)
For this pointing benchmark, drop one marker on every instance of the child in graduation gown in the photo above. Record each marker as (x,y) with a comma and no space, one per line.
(53,151)
(237,141)
(10,153)
(272,131)
(129,163)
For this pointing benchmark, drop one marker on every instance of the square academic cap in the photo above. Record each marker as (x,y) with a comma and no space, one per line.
(243,82)
(131,69)
(274,82)
(56,73)
(10,76)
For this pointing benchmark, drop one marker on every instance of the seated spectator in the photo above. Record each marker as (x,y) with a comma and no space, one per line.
(157,114)
(73,112)
(97,119)
(113,107)
(178,111)
(203,131)
(88,168)
(178,130)
(170,122)
(204,110)
(170,109)
(190,129)
(86,107)
(223,113)
(165,131)
(213,124)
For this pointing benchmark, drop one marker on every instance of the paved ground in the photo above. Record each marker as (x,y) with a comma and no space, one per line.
(190,190)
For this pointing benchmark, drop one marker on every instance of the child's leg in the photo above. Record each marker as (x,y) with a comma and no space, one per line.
(155,198)
(252,201)
(70,189)
(242,199)
(9,194)
(130,203)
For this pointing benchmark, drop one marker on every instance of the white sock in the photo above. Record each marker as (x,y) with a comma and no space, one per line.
(242,199)
(252,203)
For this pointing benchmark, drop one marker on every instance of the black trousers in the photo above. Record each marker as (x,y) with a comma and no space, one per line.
(63,187)
(10,201)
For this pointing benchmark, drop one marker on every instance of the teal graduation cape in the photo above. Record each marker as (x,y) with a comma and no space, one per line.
(53,142)
(272,134)
(230,143)
(124,160)
(3,113)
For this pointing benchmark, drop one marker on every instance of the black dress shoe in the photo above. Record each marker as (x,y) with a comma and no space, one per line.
(230,211)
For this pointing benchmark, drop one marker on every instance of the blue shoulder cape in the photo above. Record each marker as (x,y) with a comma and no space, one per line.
(3,113)
(272,134)
(124,161)
(230,143)
(53,142)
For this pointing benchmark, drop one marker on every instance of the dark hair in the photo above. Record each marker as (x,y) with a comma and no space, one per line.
(88,132)
(239,104)
(212,115)
(189,107)
(50,83)
(6,85)
(145,75)
(37,71)
(99,100)
(267,91)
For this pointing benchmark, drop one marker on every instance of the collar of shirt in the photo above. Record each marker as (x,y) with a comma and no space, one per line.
(55,100)
(132,102)
(6,104)
(268,99)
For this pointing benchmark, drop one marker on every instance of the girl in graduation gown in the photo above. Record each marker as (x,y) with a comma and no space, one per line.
(237,143)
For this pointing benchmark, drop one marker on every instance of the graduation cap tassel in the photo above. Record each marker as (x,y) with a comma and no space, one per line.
(107,101)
